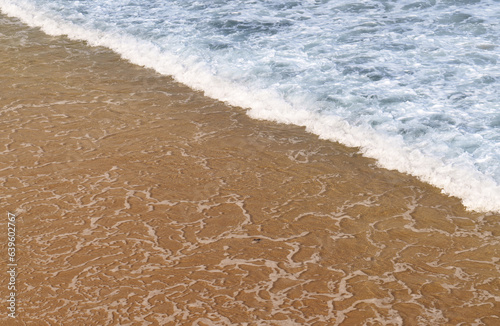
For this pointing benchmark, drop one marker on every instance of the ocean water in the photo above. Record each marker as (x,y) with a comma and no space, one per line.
(413,84)
(141,201)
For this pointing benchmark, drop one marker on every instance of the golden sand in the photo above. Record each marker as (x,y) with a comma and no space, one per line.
(142,202)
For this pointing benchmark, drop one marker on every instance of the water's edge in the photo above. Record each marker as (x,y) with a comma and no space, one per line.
(477,192)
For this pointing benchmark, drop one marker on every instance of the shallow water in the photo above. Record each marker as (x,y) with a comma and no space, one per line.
(413,84)
(143,202)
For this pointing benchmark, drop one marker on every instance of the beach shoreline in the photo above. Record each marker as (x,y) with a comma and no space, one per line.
(142,201)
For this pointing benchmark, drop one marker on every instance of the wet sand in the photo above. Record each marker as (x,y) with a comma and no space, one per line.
(142,202)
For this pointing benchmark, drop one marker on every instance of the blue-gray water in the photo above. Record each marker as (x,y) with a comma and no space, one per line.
(414,84)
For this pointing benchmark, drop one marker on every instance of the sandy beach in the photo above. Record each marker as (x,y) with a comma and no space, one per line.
(140,201)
